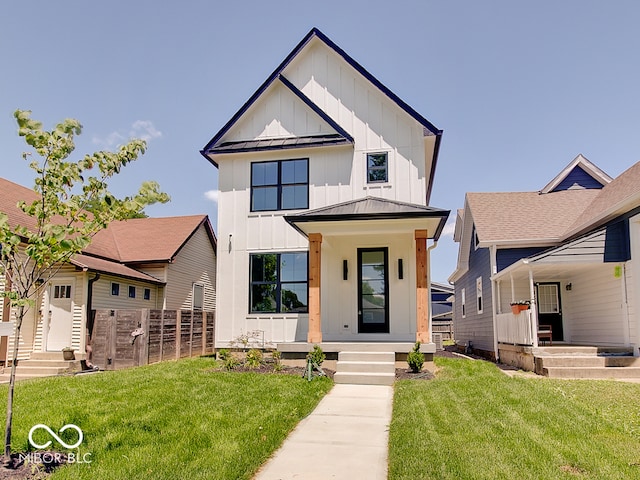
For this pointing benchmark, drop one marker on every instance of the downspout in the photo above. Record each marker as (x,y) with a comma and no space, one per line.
(90,316)
(433,245)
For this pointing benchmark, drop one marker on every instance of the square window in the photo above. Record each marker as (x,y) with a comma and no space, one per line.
(115,289)
(377,168)
(280,185)
(132,291)
(279,282)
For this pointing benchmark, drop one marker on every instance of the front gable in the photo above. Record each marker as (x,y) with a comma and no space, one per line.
(320,96)
(579,174)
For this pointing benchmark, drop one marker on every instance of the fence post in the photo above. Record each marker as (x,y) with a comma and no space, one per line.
(144,347)
(191,335)
(204,332)
(178,332)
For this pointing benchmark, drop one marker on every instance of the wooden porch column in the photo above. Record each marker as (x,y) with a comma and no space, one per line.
(315,327)
(422,288)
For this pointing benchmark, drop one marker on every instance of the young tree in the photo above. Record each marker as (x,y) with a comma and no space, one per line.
(72,206)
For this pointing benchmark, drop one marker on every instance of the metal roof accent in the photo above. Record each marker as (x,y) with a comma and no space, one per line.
(280,143)
(369,208)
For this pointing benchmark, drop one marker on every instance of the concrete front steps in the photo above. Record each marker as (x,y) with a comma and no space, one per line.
(365,368)
(586,362)
(41,364)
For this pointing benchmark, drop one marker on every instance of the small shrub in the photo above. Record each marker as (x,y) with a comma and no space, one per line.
(223,353)
(231,362)
(277,364)
(254,358)
(316,355)
(415,359)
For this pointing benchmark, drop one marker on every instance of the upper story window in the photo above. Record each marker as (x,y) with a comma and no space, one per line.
(377,167)
(280,185)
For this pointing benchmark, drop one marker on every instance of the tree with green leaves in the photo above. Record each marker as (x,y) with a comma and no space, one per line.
(73,204)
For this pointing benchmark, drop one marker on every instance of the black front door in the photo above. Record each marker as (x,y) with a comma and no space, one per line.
(550,308)
(373,290)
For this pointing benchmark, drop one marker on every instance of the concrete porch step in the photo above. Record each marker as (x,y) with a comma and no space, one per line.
(365,368)
(360,378)
(586,361)
(592,372)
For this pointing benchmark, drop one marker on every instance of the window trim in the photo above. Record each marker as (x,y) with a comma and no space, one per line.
(278,283)
(463,303)
(369,169)
(279,185)
(193,296)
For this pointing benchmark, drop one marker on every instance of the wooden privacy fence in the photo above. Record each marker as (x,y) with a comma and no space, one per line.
(130,338)
(443,327)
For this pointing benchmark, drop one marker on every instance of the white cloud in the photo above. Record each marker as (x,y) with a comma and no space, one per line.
(212,195)
(449,229)
(143,129)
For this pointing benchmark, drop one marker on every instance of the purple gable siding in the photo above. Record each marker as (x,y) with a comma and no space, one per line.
(508,256)
(578,177)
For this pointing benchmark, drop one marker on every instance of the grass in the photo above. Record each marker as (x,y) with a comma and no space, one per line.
(473,422)
(175,420)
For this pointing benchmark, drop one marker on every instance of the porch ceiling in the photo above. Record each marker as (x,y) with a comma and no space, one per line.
(547,271)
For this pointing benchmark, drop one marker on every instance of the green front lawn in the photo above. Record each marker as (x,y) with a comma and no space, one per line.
(174,420)
(473,422)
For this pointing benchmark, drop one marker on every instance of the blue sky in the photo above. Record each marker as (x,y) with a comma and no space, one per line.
(519,88)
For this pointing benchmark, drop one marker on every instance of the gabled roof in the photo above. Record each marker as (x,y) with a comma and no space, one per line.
(141,240)
(579,164)
(429,128)
(526,217)
(12,193)
(147,240)
(621,195)
(216,144)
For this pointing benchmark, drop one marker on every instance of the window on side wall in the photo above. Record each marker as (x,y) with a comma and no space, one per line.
(463,301)
(280,185)
(198,296)
(377,167)
(132,291)
(278,283)
(115,289)
(479,305)
(147,294)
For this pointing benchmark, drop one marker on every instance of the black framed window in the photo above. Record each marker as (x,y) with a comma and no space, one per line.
(377,167)
(147,294)
(132,291)
(278,282)
(115,289)
(280,185)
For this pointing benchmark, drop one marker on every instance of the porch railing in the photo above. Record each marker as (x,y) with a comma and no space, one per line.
(516,329)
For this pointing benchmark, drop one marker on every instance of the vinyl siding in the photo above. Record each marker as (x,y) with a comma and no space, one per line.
(102,298)
(594,310)
(195,263)
(474,327)
(508,256)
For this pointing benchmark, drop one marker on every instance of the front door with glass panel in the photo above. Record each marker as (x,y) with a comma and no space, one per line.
(373,290)
(549,308)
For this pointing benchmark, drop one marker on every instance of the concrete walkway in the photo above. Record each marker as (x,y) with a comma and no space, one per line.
(345,437)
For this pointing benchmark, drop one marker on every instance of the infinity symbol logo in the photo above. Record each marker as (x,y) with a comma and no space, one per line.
(56,437)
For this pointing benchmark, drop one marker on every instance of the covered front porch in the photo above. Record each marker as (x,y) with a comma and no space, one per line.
(368,274)
(572,298)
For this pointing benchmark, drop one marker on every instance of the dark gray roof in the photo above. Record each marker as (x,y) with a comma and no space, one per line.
(279,143)
(370,208)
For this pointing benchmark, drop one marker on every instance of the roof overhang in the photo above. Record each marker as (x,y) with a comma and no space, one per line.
(370,216)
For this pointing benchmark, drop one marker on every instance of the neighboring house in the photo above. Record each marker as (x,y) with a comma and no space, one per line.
(154,263)
(325,177)
(571,250)
(442,310)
